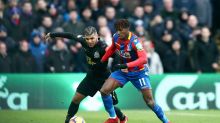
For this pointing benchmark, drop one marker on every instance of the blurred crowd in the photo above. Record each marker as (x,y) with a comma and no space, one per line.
(178,35)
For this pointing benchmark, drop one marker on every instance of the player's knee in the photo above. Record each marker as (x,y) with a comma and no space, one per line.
(104,91)
(150,102)
(77,99)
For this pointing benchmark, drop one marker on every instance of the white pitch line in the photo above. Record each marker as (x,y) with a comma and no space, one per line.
(193,114)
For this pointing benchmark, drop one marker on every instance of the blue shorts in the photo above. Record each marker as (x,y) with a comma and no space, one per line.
(139,79)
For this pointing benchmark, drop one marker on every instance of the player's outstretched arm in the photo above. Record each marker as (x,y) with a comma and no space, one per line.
(67,35)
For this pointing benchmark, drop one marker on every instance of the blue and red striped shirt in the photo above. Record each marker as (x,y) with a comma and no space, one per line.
(130,50)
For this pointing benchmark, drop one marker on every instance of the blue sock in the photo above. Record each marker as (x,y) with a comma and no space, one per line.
(160,114)
(108,103)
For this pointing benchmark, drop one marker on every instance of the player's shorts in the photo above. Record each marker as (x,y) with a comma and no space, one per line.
(139,79)
(92,83)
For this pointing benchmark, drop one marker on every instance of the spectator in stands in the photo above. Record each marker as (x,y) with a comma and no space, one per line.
(170,26)
(59,58)
(157,28)
(8,41)
(176,60)
(47,25)
(141,32)
(189,5)
(41,11)
(183,28)
(16,28)
(154,61)
(69,6)
(12,4)
(28,17)
(38,49)
(96,11)
(120,9)
(106,35)
(216,15)
(138,16)
(87,17)
(193,24)
(205,53)
(203,10)
(23,60)
(110,16)
(57,19)
(74,25)
(3,19)
(79,58)
(217,39)
(149,14)
(5,60)
(169,10)
(189,32)
(101,22)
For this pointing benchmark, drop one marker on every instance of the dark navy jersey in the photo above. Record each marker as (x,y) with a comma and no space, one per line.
(93,54)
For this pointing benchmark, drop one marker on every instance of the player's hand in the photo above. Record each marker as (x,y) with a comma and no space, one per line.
(47,37)
(120,66)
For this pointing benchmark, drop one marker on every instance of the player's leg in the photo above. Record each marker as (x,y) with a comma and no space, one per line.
(148,98)
(119,113)
(116,79)
(142,83)
(74,106)
(107,99)
(109,86)
(84,89)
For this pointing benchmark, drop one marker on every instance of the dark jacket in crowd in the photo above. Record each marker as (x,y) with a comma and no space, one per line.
(60,60)
(205,54)
(176,63)
(5,64)
(24,62)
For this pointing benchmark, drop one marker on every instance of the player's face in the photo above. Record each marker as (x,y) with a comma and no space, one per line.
(91,40)
(123,34)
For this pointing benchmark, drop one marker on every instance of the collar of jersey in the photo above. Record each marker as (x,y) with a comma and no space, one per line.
(129,36)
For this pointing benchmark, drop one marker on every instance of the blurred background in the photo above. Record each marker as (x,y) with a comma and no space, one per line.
(180,36)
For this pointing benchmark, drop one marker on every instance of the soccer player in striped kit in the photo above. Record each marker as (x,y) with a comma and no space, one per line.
(132,66)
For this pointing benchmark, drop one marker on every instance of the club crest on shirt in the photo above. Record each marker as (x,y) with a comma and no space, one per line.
(139,46)
(135,40)
(124,54)
(96,54)
(128,48)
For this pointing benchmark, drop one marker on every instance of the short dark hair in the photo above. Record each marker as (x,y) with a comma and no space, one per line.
(122,24)
(89,31)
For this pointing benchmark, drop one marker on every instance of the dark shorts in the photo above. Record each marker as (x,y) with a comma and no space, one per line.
(92,83)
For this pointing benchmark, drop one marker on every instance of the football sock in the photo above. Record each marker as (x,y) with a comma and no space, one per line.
(119,114)
(108,104)
(73,108)
(160,114)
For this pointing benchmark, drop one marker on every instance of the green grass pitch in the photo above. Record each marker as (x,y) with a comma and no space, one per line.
(135,116)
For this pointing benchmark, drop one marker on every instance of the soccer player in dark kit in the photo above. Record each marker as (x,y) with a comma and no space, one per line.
(95,77)
(132,67)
